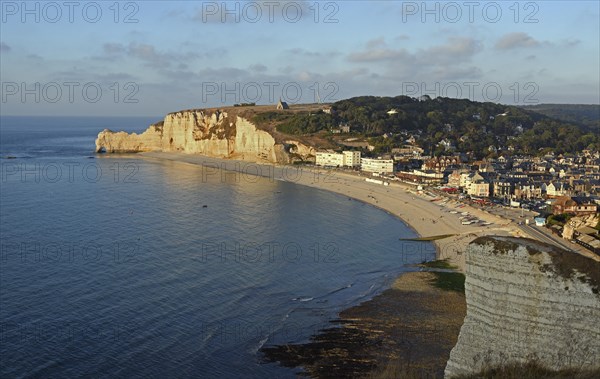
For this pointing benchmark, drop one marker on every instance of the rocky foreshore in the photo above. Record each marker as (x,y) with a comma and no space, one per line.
(406,331)
(530,308)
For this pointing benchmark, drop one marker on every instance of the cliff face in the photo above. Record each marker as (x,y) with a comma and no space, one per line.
(215,134)
(527,300)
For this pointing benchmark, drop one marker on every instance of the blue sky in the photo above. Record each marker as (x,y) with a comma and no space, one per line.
(154,57)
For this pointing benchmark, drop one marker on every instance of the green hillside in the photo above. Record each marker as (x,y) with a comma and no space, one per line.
(484,129)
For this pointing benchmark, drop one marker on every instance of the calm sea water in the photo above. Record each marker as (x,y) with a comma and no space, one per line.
(128,267)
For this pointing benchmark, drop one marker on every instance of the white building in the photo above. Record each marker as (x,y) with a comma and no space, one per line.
(352,158)
(465,179)
(329,159)
(557,189)
(333,159)
(479,188)
(282,105)
(381,166)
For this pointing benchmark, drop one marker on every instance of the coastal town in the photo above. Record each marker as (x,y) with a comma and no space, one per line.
(561,193)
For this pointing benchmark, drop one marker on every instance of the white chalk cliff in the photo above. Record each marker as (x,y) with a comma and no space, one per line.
(211,133)
(527,300)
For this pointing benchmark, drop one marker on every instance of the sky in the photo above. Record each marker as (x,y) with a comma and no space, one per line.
(147,58)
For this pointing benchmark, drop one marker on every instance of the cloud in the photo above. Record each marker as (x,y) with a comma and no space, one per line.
(305,76)
(297,51)
(218,74)
(286,70)
(4,47)
(145,52)
(258,67)
(113,48)
(454,50)
(181,75)
(570,42)
(516,40)
(450,61)
(148,54)
(376,43)
(455,73)
(75,73)
(116,77)
(313,54)
(379,54)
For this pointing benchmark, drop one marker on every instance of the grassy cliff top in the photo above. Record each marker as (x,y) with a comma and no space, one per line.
(250,111)
(567,264)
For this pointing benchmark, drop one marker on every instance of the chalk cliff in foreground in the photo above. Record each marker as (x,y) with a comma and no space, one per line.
(527,300)
(211,133)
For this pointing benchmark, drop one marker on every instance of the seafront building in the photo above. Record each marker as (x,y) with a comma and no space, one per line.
(430,177)
(329,159)
(380,166)
(351,158)
(333,159)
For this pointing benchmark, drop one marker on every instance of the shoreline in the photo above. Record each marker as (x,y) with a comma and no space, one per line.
(425,217)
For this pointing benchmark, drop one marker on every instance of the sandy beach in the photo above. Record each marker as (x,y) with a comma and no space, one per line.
(426,217)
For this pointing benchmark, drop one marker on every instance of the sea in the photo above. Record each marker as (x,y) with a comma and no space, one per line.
(122,266)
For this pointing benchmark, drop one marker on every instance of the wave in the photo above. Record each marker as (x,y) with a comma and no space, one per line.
(306,299)
(340,289)
(303,299)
